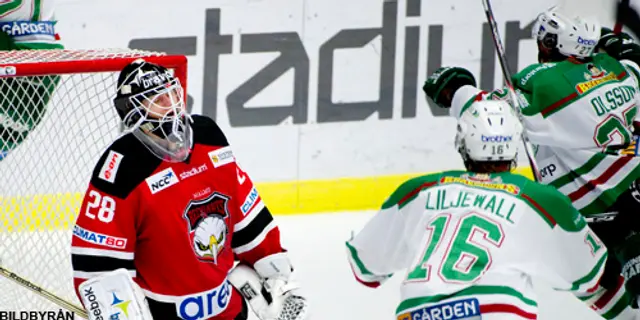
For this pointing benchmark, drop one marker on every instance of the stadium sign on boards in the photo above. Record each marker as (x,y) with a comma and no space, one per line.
(314,82)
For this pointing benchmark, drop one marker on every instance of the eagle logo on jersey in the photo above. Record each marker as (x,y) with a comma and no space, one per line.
(208,231)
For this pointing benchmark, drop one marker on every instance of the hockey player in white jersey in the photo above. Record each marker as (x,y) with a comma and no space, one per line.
(580,111)
(471,240)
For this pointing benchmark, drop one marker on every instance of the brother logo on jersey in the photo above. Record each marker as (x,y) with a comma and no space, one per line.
(99,239)
(110,166)
(206,304)
(162,180)
(249,201)
(221,156)
(467,309)
(207,226)
(193,171)
(496,138)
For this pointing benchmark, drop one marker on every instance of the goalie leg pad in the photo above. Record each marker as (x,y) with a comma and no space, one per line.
(114,293)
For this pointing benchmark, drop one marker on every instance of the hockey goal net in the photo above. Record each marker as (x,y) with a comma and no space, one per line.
(56,118)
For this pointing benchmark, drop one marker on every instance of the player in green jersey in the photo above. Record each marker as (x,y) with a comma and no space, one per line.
(25,25)
(580,111)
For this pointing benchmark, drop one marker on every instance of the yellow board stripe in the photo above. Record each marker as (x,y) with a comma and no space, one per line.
(59,211)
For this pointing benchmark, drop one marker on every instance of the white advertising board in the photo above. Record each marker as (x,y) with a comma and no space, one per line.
(317,89)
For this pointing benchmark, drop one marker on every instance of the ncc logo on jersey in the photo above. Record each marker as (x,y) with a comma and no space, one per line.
(110,166)
(162,180)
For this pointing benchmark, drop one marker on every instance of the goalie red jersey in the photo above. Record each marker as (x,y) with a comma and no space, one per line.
(177,227)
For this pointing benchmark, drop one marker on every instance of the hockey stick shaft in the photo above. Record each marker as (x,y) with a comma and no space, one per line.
(507,79)
(622,5)
(79,311)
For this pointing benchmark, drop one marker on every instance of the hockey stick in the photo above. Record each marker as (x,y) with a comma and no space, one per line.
(79,311)
(502,57)
(623,15)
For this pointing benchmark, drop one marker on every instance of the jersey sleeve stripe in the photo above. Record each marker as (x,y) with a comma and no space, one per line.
(592,277)
(609,295)
(256,241)
(89,275)
(89,263)
(366,280)
(621,303)
(102,253)
(257,209)
(356,262)
(253,229)
(505,308)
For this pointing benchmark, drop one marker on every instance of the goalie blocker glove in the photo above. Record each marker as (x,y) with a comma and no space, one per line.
(114,295)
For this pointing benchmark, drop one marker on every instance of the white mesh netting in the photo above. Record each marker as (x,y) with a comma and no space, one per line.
(52,129)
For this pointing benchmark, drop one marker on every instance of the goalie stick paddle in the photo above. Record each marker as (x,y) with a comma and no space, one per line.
(502,57)
(507,79)
(79,311)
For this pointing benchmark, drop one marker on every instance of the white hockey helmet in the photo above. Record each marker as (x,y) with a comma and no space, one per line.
(489,131)
(566,34)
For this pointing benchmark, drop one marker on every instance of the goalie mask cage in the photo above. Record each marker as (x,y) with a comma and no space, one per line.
(56,119)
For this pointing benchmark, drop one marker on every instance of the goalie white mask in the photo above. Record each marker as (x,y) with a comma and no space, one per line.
(150,102)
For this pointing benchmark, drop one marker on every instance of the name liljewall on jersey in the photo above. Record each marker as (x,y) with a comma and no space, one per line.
(110,166)
(162,180)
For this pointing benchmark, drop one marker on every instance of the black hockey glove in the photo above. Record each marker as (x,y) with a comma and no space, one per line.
(442,84)
(619,46)
(629,255)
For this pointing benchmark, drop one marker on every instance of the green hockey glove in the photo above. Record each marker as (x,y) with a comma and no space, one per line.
(442,84)
(619,46)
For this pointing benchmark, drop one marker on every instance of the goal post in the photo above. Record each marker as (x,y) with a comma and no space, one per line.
(56,119)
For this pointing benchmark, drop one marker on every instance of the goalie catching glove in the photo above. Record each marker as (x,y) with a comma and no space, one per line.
(267,288)
(114,293)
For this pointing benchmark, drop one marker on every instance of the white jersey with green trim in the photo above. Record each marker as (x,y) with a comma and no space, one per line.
(580,119)
(30,23)
(471,244)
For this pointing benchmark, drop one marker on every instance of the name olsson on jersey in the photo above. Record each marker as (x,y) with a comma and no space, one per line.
(162,180)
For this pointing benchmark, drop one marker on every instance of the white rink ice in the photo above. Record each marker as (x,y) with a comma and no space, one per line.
(316,245)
